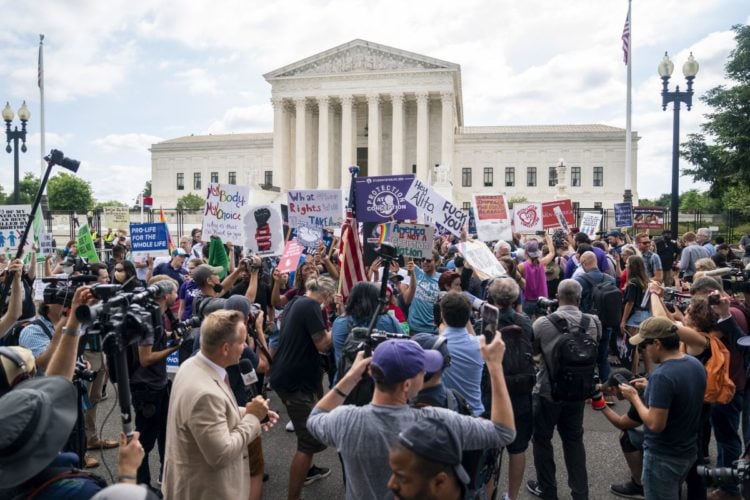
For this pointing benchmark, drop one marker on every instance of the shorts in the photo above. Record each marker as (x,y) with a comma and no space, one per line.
(255,452)
(273,340)
(637,317)
(524,420)
(299,405)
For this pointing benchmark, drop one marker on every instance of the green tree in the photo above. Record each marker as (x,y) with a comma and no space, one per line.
(147,189)
(516,199)
(191,201)
(720,154)
(3,196)
(68,192)
(27,188)
(691,201)
(736,197)
(109,203)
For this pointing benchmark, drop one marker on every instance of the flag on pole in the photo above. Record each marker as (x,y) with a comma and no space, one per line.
(626,39)
(163,219)
(350,248)
(40,69)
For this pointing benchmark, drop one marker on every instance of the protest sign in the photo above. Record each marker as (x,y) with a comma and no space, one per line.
(383,198)
(315,207)
(116,218)
(527,217)
(150,237)
(590,223)
(223,211)
(443,212)
(480,258)
(648,217)
(410,240)
(264,229)
(290,257)
(309,237)
(45,243)
(472,222)
(624,214)
(558,213)
(13,220)
(491,215)
(85,245)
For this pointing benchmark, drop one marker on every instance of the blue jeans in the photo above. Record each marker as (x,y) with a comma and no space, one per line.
(662,475)
(602,358)
(725,419)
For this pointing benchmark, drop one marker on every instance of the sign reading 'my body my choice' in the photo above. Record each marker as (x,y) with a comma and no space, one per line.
(226,204)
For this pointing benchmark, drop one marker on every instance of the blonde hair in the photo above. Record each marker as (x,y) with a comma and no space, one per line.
(219,328)
(321,284)
(164,277)
(705,264)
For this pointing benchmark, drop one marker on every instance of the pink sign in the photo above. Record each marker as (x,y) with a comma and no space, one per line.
(290,256)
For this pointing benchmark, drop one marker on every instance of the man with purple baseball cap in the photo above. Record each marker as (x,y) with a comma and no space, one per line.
(395,361)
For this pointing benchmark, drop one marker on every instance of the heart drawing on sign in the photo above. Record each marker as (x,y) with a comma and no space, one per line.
(528,216)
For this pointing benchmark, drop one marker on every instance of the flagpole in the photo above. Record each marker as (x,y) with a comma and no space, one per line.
(628,196)
(40,82)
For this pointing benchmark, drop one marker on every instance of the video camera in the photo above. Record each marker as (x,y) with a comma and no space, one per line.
(674,299)
(368,343)
(738,473)
(546,306)
(61,290)
(738,281)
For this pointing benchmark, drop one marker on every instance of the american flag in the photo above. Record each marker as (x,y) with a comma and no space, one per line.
(626,39)
(350,248)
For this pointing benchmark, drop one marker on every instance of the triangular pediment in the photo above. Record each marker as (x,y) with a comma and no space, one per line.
(360,56)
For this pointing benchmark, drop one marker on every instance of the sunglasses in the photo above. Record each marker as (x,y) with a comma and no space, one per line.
(642,346)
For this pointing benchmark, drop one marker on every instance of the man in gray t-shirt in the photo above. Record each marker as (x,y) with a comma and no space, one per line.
(363,435)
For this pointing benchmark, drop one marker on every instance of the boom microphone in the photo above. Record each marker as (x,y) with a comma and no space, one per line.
(722,271)
(155,291)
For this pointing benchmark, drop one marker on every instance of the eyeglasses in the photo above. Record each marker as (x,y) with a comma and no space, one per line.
(642,346)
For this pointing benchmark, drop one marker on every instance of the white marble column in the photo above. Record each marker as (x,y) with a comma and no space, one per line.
(324,171)
(423,135)
(398,164)
(446,142)
(347,140)
(281,165)
(300,141)
(373,135)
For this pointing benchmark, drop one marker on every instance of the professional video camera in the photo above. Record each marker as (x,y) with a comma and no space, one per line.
(738,473)
(546,306)
(61,290)
(674,299)
(738,281)
(368,342)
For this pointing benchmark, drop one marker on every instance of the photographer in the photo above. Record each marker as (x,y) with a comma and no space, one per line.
(16,297)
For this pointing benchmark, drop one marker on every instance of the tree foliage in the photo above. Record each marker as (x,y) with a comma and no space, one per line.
(109,203)
(191,201)
(68,192)
(147,189)
(720,154)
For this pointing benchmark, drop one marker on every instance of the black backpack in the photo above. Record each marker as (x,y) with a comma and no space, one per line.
(606,302)
(356,339)
(518,362)
(575,355)
(13,336)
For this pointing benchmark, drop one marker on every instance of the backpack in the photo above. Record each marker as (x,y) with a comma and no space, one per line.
(456,402)
(14,335)
(47,482)
(356,339)
(518,362)
(719,387)
(575,355)
(606,302)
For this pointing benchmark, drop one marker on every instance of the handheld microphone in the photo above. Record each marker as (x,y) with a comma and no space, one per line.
(249,377)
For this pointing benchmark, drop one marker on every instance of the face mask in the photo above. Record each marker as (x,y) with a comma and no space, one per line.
(218,288)
(120,276)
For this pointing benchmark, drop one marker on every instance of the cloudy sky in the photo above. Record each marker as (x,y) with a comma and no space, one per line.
(121,75)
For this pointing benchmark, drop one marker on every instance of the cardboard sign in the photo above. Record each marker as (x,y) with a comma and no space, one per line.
(116,218)
(290,256)
(383,198)
(264,229)
(315,207)
(45,243)
(13,220)
(309,237)
(443,212)
(492,217)
(648,217)
(527,217)
(480,258)
(173,362)
(410,240)
(590,223)
(85,245)
(150,237)
(223,211)
(624,214)
(558,213)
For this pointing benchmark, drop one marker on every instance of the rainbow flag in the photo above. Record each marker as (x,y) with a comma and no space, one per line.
(163,219)
(385,232)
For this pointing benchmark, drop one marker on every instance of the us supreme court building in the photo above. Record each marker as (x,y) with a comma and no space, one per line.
(390,111)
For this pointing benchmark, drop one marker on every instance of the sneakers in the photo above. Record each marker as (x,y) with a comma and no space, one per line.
(102,444)
(627,490)
(289,426)
(316,473)
(534,488)
(90,461)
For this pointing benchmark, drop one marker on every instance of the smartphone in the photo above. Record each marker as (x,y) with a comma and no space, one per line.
(541,233)
(620,379)
(489,322)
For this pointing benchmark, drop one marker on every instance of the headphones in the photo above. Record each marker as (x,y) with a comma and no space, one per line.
(440,341)
(6,385)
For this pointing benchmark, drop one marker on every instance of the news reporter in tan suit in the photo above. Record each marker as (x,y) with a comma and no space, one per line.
(207,433)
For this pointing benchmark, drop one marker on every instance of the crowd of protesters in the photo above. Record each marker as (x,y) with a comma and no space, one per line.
(426,406)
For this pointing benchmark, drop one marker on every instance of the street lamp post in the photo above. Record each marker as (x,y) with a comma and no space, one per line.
(14,135)
(689,69)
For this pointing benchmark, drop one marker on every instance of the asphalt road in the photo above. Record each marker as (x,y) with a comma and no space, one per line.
(604,460)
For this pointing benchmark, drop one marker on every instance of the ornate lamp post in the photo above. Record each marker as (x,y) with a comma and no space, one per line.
(689,69)
(14,135)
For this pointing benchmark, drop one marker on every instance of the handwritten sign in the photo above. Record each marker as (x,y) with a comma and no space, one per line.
(480,258)
(264,228)
(13,219)
(410,240)
(45,243)
(309,237)
(558,213)
(624,214)
(527,217)
(590,223)
(383,198)
(116,217)
(290,256)
(429,203)
(491,215)
(149,237)
(85,245)
(315,207)
(223,211)
(648,217)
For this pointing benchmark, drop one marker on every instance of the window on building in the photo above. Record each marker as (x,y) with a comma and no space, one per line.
(598,176)
(489,176)
(466,177)
(576,207)
(552,176)
(196,180)
(268,177)
(466,206)
(180,181)
(598,205)
(413,169)
(510,176)
(215,177)
(531,176)
(232,177)
(575,176)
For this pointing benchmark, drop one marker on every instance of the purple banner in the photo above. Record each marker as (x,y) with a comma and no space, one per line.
(383,198)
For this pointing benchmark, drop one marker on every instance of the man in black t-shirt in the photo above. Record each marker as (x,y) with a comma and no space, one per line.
(667,251)
(296,376)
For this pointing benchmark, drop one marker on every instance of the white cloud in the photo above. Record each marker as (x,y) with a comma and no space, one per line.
(254,118)
(197,81)
(121,182)
(139,143)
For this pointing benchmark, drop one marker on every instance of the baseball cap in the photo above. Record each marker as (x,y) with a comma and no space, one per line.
(238,303)
(616,233)
(178,252)
(430,341)
(435,441)
(531,249)
(124,491)
(202,273)
(397,360)
(656,327)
